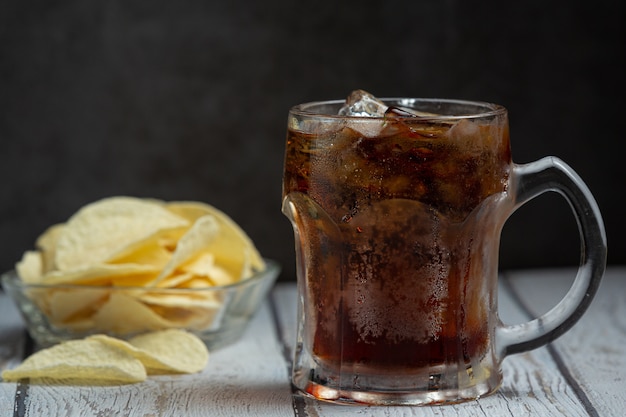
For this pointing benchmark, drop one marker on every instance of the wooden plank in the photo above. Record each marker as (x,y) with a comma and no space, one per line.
(246,378)
(7,395)
(12,334)
(533,384)
(592,353)
(12,338)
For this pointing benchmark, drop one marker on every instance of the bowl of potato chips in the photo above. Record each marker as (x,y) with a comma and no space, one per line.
(124,266)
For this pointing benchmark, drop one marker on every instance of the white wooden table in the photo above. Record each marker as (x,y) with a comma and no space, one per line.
(581,374)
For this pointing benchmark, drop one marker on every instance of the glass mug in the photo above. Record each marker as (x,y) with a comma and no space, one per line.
(397,209)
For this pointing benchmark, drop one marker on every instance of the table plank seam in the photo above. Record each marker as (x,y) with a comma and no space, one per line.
(21,394)
(22,387)
(556,357)
(298,404)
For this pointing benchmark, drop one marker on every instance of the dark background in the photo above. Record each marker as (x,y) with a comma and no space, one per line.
(188,100)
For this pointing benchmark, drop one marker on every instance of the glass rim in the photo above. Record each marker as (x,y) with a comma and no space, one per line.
(488,109)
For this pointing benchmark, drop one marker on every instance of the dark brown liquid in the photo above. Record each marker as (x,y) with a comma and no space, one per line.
(399,239)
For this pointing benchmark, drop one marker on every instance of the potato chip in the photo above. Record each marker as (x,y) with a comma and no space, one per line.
(233,249)
(200,236)
(182,313)
(181,299)
(98,274)
(198,282)
(190,318)
(101,230)
(47,244)
(174,280)
(80,361)
(79,322)
(30,267)
(133,280)
(64,304)
(164,352)
(177,350)
(155,249)
(200,265)
(150,252)
(124,314)
(204,266)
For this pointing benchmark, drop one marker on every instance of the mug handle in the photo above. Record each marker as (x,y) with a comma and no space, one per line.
(529,181)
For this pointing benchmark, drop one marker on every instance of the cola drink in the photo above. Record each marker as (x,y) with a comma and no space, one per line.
(395,235)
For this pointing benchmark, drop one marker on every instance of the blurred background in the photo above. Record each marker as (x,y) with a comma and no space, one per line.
(188,100)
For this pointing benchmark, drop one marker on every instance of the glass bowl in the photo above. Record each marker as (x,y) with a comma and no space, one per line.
(218,314)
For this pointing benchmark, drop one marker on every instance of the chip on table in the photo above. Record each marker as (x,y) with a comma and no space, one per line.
(104,360)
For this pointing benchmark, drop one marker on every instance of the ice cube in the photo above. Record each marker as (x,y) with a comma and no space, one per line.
(370,114)
(360,103)
(469,137)
(367,128)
